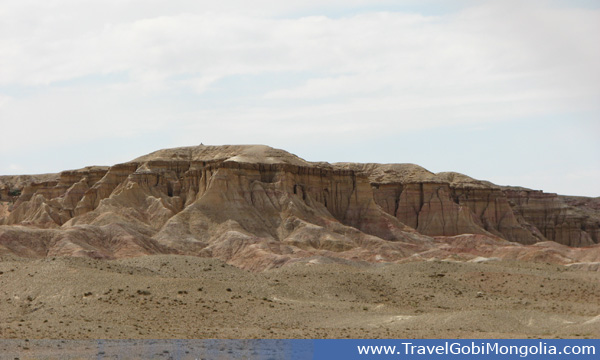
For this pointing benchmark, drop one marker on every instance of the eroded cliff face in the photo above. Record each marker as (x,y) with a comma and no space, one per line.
(258,207)
(555,218)
(449,204)
(437,209)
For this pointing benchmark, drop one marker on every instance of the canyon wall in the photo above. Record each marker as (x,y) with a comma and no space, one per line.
(240,202)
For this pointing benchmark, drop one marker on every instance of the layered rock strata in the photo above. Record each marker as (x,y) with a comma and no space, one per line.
(258,207)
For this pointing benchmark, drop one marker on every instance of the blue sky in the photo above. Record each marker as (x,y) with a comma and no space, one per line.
(506,91)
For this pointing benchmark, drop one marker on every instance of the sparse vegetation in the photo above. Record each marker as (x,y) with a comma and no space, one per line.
(397,300)
(14,192)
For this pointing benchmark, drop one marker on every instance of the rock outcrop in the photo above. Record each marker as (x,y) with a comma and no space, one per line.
(565,220)
(257,207)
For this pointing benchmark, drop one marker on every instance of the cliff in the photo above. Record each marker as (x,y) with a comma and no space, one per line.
(258,207)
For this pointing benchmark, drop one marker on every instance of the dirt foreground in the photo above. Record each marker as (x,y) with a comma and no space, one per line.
(182,297)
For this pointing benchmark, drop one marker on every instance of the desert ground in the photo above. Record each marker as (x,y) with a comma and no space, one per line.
(251,242)
(183,297)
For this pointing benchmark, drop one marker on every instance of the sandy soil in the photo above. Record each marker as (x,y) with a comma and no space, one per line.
(162,297)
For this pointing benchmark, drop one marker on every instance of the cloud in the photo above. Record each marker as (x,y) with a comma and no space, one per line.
(284,72)
(481,47)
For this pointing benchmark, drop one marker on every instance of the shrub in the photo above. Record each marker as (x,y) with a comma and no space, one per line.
(15,192)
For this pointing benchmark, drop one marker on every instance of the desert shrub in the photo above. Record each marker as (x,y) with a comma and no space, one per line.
(15,192)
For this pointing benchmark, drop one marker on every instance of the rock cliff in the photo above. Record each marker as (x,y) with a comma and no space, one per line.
(257,207)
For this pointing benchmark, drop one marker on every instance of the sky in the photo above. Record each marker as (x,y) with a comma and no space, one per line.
(506,91)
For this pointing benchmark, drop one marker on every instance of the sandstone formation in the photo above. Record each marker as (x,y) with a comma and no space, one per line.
(257,207)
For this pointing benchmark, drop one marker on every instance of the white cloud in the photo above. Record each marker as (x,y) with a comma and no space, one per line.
(480,48)
(15,167)
(82,71)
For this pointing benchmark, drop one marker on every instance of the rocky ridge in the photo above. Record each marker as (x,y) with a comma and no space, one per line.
(256,207)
